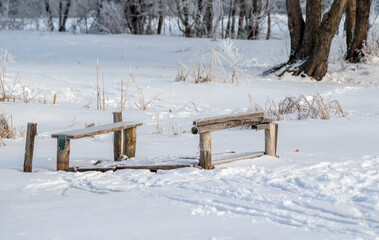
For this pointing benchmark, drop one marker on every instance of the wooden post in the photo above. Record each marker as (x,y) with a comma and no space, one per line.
(130,140)
(29,146)
(117,117)
(55,99)
(206,150)
(276,137)
(63,153)
(270,139)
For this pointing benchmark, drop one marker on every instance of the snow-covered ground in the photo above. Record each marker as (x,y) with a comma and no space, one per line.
(329,189)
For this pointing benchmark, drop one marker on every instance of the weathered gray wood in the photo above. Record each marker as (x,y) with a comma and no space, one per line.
(29,146)
(270,140)
(206,150)
(262,126)
(117,117)
(63,153)
(115,168)
(219,162)
(130,142)
(97,130)
(276,137)
(226,125)
(228,118)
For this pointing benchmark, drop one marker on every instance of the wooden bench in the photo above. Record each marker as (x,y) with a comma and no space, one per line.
(129,130)
(257,121)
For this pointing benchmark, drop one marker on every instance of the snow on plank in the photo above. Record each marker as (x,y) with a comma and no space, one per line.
(91,131)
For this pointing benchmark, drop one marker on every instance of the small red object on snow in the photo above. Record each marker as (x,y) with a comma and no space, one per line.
(297,150)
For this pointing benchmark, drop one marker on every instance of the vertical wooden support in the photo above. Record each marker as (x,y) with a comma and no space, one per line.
(276,137)
(29,146)
(63,153)
(117,117)
(270,139)
(130,140)
(206,150)
(55,99)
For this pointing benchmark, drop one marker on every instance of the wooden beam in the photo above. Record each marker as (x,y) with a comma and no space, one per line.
(251,156)
(130,142)
(29,146)
(97,130)
(226,125)
(228,118)
(63,153)
(206,150)
(262,126)
(270,140)
(115,168)
(117,117)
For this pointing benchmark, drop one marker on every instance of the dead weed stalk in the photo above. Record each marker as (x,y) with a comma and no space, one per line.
(6,127)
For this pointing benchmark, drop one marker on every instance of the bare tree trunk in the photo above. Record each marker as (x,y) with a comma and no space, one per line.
(255,19)
(316,65)
(49,17)
(234,10)
(268,35)
(296,26)
(183,15)
(208,17)
(63,18)
(350,21)
(161,18)
(311,31)
(227,32)
(354,54)
(240,19)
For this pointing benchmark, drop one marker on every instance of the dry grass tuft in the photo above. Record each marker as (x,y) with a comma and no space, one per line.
(371,49)
(14,90)
(302,107)
(157,129)
(229,55)
(176,129)
(6,127)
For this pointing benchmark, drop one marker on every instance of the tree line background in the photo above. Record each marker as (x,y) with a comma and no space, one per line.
(242,19)
(312,24)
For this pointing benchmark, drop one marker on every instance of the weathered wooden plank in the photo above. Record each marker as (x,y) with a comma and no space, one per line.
(63,153)
(115,168)
(97,130)
(222,126)
(262,126)
(227,118)
(29,146)
(270,141)
(117,117)
(130,142)
(206,150)
(223,161)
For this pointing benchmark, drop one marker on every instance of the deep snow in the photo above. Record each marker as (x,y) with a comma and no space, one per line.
(327,190)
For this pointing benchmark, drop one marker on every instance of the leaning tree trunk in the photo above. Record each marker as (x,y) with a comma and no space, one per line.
(350,21)
(316,64)
(295,26)
(354,53)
